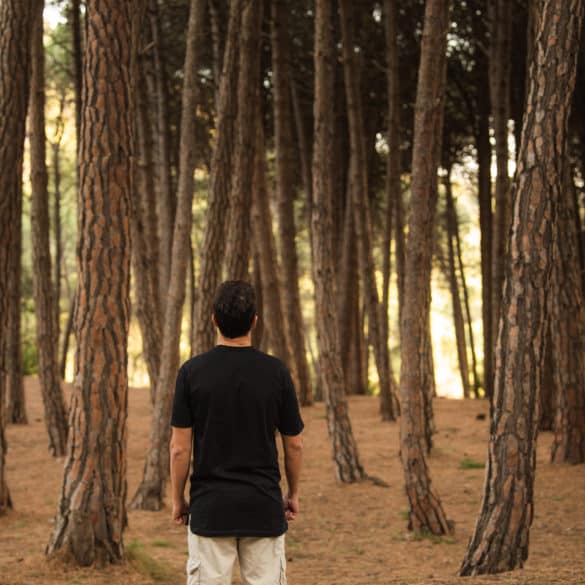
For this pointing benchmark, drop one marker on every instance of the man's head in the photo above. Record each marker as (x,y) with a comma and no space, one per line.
(234,308)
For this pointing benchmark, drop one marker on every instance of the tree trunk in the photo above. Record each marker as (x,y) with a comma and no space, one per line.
(212,248)
(359,198)
(499,80)
(568,334)
(500,539)
(273,313)
(426,512)
(67,335)
(548,392)
(345,454)
(91,516)
(239,233)
(285,196)
(47,337)
(150,492)
(451,221)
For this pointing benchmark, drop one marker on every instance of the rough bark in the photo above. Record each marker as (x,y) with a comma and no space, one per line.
(345,454)
(285,161)
(213,246)
(91,517)
(500,539)
(239,234)
(426,512)
(359,196)
(150,492)
(46,326)
(15,24)
(568,335)
(499,79)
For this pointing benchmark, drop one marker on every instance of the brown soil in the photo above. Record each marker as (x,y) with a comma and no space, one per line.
(345,534)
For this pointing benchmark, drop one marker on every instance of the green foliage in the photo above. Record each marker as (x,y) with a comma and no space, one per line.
(158,571)
(467,463)
(160,543)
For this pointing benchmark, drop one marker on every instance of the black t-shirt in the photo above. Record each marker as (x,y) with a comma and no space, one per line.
(235,398)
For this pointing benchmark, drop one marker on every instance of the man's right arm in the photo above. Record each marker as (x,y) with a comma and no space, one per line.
(293,459)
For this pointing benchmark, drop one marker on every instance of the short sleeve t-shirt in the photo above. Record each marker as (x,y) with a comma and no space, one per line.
(235,399)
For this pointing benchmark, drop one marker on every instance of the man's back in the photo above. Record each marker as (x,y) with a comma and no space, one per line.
(235,398)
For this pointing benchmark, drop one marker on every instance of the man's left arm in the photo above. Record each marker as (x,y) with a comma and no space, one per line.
(181,443)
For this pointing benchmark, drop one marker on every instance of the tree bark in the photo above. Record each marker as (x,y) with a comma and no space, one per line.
(91,516)
(239,233)
(359,197)
(150,492)
(345,454)
(213,246)
(568,335)
(426,512)
(47,336)
(500,539)
(285,196)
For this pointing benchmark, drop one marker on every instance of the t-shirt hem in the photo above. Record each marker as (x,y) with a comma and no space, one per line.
(238,533)
(289,433)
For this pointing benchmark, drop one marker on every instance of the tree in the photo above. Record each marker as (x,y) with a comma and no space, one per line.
(345,454)
(426,512)
(15,24)
(46,325)
(91,516)
(283,139)
(358,194)
(500,539)
(151,489)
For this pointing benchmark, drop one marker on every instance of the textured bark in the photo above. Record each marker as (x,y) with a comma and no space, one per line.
(238,235)
(46,326)
(212,248)
(145,241)
(285,161)
(273,313)
(77,51)
(568,335)
(91,516)
(451,221)
(150,492)
(359,196)
(345,454)
(500,539)
(499,79)
(426,512)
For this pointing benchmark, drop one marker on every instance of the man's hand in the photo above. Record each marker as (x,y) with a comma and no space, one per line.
(291,507)
(180,512)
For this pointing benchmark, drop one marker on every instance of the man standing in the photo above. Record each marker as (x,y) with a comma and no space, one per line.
(234,398)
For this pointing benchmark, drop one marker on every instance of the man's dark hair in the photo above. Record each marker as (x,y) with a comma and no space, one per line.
(234,307)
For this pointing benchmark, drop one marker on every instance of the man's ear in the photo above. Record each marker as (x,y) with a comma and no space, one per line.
(213,320)
(254,322)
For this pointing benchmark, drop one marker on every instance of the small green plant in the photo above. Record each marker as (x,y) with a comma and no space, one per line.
(159,543)
(157,570)
(467,463)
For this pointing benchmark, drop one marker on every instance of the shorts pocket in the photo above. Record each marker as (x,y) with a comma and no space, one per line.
(193,572)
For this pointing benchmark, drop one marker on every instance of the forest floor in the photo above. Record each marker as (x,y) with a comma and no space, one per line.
(344,535)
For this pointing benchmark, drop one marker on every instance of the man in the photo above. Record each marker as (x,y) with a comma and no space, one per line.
(234,398)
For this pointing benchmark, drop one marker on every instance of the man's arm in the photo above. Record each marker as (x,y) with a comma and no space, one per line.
(293,459)
(181,442)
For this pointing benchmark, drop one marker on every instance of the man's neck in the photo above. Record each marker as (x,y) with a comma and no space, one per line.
(243,341)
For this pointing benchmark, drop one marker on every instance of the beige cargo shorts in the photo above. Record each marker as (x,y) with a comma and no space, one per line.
(211,560)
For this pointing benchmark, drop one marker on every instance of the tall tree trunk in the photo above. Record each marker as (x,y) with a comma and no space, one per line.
(145,241)
(16,412)
(91,515)
(345,454)
(499,79)
(217,16)
(500,539)
(213,246)
(451,222)
(273,313)
(150,492)
(426,512)
(359,197)
(47,337)
(77,53)
(67,335)
(166,203)
(239,233)
(285,196)
(568,334)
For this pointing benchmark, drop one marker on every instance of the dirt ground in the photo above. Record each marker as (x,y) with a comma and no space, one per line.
(345,534)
